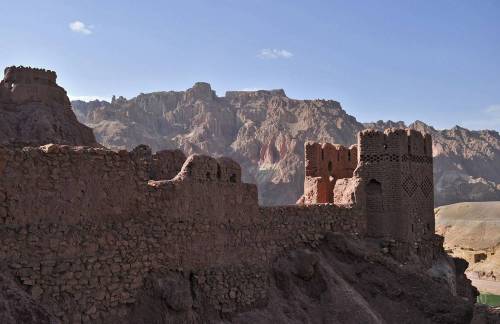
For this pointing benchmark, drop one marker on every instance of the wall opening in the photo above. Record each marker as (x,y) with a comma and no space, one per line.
(209,177)
(232,178)
(373,188)
(330,167)
(349,155)
(375,208)
(218,172)
(322,155)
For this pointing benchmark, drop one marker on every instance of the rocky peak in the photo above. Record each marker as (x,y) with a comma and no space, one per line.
(422,127)
(201,90)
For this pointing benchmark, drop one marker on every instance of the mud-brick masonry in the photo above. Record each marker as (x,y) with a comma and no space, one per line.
(82,228)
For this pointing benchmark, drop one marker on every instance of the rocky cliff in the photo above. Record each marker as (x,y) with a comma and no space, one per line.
(34,110)
(265,132)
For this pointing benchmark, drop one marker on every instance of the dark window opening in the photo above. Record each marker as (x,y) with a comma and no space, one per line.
(208,176)
(218,172)
(322,154)
(338,156)
(349,155)
(373,187)
(232,178)
(412,228)
(330,166)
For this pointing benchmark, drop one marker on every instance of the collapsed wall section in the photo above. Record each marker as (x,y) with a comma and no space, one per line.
(324,165)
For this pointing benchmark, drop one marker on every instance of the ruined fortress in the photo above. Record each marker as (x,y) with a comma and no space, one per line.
(24,84)
(81,228)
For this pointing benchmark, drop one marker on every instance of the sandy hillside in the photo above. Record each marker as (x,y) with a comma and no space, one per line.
(472,231)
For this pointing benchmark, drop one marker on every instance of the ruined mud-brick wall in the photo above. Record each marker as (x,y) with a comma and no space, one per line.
(23,84)
(35,111)
(390,178)
(81,228)
(324,165)
(396,169)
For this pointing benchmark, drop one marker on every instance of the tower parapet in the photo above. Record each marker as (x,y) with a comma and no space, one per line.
(25,84)
(387,174)
(324,165)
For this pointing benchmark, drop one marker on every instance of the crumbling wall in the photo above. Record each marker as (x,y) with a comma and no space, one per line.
(36,111)
(86,255)
(390,179)
(67,184)
(324,165)
(23,84)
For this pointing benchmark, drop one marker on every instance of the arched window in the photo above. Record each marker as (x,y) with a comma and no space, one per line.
(373,187)
(377,224)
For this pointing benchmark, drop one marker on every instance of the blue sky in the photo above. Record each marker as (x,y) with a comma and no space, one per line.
(436,61)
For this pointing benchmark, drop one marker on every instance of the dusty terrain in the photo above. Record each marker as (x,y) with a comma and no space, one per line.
(265,132)
(472,232)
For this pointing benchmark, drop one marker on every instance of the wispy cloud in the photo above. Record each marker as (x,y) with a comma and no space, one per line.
(274,53)
(80,27)
(493,109)
(487,118)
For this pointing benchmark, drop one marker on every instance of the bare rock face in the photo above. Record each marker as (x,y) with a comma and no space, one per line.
(265,132)
(35,111)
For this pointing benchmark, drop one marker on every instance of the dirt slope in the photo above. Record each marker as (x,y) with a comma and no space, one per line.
(344,280)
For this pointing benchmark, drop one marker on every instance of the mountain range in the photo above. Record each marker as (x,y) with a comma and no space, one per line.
(265,132)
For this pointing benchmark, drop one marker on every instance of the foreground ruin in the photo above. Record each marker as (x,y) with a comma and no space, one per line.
(83,229)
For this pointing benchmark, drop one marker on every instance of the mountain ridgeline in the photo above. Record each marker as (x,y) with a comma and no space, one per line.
(265,132)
